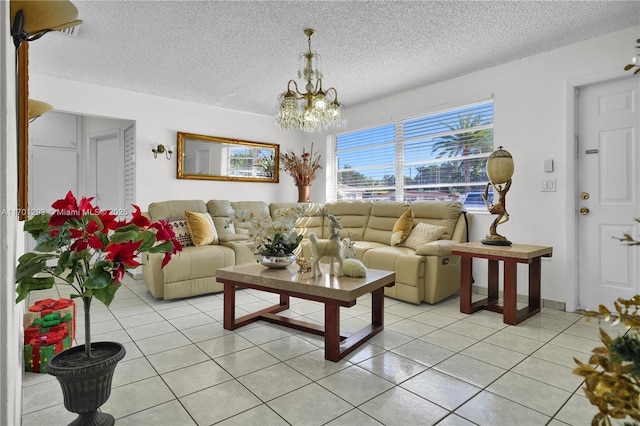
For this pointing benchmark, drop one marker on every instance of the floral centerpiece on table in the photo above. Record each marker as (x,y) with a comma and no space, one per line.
(302,169)
(275,237)
(91,250)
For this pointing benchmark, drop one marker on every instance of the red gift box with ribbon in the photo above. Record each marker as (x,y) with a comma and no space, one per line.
(42,308)
(46,337)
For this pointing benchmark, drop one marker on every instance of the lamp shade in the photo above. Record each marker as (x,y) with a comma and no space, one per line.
(500,166)
(37,108)
(53,15)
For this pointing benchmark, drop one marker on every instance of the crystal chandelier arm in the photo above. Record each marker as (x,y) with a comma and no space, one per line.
(335,93)
(293,92)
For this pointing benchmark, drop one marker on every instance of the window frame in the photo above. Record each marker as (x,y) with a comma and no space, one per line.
(398,190)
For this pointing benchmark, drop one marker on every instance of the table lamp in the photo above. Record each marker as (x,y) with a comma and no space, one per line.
(500,171)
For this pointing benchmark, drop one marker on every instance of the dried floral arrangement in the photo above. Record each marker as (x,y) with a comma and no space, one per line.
(612,375)
(301,168)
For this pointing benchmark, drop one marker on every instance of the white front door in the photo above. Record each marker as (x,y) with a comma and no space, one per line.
(608,192)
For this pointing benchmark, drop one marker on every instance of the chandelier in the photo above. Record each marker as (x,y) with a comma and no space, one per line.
(316,108)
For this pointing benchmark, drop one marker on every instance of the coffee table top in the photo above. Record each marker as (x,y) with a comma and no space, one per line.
(289,279)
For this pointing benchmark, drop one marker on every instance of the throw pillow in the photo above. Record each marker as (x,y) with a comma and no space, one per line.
(201,228)
(423,233)
(179,227)
(402,228)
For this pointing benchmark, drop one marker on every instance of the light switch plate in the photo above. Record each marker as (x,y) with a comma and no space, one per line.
(548,185)
(548,165)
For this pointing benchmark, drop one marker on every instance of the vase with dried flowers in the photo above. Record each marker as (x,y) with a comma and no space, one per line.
(302,169)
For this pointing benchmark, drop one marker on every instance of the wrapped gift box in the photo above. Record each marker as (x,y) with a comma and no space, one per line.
(42,308)
(44,338)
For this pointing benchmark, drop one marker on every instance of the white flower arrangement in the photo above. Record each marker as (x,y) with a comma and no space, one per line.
(272,236)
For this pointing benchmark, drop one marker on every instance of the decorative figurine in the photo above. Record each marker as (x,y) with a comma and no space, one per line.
(304,264)
(351,267)
(331,248)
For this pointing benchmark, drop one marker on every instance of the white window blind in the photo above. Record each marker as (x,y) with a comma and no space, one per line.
(438,156)
(129,167)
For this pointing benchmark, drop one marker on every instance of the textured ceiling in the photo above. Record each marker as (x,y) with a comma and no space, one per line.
(240,54)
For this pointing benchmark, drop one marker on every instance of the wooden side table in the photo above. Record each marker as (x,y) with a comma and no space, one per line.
(510,256)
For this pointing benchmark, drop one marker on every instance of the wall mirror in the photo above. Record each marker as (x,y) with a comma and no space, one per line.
(214,158)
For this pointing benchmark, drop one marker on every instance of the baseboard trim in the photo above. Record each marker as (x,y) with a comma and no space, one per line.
(522,298)
(135,276)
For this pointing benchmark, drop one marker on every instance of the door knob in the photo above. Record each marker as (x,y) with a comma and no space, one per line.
(584,211)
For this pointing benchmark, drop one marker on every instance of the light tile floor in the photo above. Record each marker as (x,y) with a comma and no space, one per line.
(430,365)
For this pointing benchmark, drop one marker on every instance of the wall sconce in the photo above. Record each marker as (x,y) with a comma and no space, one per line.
(160,149)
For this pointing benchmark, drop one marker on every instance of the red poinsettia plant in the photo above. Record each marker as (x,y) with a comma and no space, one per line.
(89,249)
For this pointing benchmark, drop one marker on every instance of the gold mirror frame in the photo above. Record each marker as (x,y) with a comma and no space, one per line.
(204,157)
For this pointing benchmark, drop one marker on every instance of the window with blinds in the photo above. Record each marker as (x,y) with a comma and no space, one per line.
(441,156)
(250,162)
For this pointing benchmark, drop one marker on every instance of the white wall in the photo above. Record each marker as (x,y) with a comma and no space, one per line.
(157,121)
(10,313)
(533,121)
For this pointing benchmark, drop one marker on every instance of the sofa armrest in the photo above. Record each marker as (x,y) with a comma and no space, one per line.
(152,273)
(461,230)
(435,248)
(241,249)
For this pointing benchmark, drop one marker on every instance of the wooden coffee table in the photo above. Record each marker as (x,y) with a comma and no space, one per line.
(333,291)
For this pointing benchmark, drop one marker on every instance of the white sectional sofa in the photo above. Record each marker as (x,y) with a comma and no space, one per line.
(427,273)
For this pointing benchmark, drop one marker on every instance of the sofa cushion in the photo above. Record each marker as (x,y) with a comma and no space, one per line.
(311,221)
(440,213)
(219,208)
(233,237)
(384,215)
(222,214)
(247,213)
(409,267)
(201,228)
(258,208)
(224,225)
(175,208)
(423,233)
(353,216)
(179,227)
(402,228)
(197,262)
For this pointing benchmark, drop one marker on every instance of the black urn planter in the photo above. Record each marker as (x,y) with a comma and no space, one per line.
(86,382)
